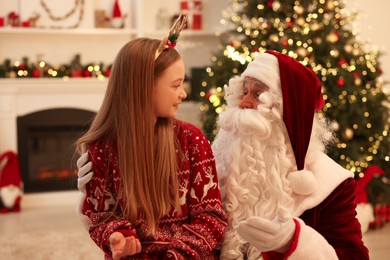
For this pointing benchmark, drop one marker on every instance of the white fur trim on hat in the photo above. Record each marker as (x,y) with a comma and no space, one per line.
(265,67)
(302,182)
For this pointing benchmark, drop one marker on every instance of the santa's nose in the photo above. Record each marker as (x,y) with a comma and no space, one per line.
(249,102)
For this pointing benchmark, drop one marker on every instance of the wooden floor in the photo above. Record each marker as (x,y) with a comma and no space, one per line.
(63,220)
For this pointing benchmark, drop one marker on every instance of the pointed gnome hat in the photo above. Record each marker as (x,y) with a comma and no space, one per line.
(116,11)
(301,96)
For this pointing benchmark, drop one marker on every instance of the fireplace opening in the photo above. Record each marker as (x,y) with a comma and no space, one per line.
(46,148)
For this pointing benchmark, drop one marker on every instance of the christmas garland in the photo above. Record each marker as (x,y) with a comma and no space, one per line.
(66,16)
(43,69)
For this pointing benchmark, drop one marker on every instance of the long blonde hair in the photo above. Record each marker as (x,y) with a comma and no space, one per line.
(145,148)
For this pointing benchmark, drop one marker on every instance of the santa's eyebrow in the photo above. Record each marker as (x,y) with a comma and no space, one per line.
(261,85)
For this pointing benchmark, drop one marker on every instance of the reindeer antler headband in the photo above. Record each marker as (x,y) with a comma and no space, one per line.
(174,33)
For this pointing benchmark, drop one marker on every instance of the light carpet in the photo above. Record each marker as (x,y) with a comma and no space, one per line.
(74,245)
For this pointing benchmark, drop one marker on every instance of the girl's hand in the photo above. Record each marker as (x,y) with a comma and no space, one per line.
(123,246)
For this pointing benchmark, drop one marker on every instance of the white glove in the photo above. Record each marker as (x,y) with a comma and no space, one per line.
(267,235)
(85,172)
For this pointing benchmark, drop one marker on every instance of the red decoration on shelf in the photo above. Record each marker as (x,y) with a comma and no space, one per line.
(36,73)
(87,73)
(117,20)
(26,24)
(197,15)
(270,3)
(76,74)
(13,19)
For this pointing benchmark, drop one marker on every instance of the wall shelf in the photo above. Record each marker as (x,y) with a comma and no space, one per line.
(79,31)
(56,44)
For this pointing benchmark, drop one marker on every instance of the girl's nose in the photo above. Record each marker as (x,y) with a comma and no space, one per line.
(183,93)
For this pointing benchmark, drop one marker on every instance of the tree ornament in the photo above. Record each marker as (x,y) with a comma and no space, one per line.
(358,81)
(285,42)
(335,53)
(342,62)
(275,6)
(299,9)
(207,95)
(300,21)
(289,24)
(318,40)
(330,5)
(302,51)
(340,82)
(348,48)
(332,37)
(348,133)
(274,37)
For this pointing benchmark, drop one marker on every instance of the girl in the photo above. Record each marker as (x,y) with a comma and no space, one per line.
(151,188)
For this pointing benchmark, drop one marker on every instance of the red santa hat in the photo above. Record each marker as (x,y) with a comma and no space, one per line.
(301,96)
(10,182)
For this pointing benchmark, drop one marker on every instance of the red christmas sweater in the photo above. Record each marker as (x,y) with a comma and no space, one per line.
(195,234)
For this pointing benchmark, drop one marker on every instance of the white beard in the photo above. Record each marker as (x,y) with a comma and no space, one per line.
(252,161)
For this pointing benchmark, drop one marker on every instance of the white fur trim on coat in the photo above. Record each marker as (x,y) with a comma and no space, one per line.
(311,245)
(328,175)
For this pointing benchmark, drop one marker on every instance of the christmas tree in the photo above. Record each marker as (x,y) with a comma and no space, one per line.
(318,34)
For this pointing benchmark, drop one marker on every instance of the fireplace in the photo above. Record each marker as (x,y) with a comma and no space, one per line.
(46,150)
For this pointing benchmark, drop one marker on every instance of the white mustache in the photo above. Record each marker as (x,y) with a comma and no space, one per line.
(247,121)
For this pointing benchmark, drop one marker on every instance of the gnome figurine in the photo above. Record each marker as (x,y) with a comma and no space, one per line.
(117,20)
(11,186)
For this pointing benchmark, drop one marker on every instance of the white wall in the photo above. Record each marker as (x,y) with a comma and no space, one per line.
(373,26)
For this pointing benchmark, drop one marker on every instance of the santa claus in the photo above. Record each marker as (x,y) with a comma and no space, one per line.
(285,198)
